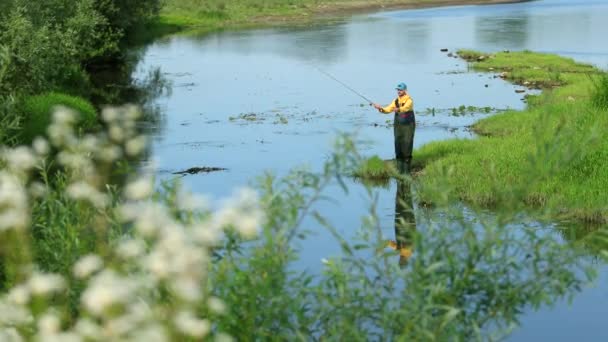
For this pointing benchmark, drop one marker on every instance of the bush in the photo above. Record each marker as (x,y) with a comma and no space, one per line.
(38,109)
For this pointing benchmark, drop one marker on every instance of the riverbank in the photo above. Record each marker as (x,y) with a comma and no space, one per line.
(550,156)
(191,15)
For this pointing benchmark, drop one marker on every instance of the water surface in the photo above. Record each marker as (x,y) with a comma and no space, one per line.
(271,75)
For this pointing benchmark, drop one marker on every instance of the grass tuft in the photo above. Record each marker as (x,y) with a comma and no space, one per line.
(38,110)
(376,169)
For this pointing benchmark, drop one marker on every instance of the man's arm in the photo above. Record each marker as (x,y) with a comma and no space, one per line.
(388,109)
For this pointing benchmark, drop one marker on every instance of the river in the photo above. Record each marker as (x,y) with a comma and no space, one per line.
(255,100)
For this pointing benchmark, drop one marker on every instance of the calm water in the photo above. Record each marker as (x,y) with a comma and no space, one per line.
(273,73)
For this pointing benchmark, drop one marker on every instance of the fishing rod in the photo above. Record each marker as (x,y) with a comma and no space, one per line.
(344,84)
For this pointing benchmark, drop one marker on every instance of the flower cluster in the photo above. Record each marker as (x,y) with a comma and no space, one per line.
(152,283)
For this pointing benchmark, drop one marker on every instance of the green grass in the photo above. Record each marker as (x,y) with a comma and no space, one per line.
(38,110)
(376,169)
(551,156)
(194,15)
(537,69)
(600,92)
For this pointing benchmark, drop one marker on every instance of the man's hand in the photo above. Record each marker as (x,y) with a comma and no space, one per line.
(377,106)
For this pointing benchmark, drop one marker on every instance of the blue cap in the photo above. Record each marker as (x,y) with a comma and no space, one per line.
(401,86)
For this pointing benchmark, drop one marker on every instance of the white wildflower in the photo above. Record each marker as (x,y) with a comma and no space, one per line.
(151,333)
(187,289)
(117,133)
(13,315)
(10,335)
(206,234)
(106,290)
(216,305)
(74,161)
(110,115)
(14,207)
(223,337)
(139,189)
(226,216)
(247,197)
(174,238)
(61,337)
(131,248)
(45,283)
(61,135)
(135,146)
(48,324)
(90,143)
(192,326)
(110,153)
(20,158)
(37,189)
(247,224)
(120,326)
(190,202)
(87,266)
(41,146)
(158,264)
(148,217)
(242,212)
(88,329)
(19,294)
(63,115)
(132,113)
(86,192)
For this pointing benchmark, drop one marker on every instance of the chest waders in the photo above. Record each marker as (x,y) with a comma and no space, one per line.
(403,127)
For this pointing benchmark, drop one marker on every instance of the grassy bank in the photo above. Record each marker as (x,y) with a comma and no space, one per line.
(180,15)
(551,156)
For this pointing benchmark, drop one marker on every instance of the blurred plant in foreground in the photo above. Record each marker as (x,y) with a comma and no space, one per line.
(85,261)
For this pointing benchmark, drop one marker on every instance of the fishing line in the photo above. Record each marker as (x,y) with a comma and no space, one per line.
(343,84)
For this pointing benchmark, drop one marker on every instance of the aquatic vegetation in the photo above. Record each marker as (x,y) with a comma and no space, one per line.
(460,110)
(375,168)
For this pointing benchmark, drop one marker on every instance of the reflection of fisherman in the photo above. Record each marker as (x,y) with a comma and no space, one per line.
(404,126)
(405,222)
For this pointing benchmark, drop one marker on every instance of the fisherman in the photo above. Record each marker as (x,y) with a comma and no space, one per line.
(403,127)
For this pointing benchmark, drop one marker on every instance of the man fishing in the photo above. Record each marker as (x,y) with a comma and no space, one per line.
(403,127)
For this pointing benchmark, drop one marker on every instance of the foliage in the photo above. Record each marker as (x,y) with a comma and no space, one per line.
(38,110)
(551,156)
(50,42)
(9,121)
(116,264)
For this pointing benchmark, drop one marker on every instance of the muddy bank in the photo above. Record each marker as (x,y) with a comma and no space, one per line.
(352,7)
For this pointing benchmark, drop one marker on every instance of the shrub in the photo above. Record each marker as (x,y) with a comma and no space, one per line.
(37,112)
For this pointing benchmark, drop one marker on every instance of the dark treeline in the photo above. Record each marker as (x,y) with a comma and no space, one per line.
(54,46)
